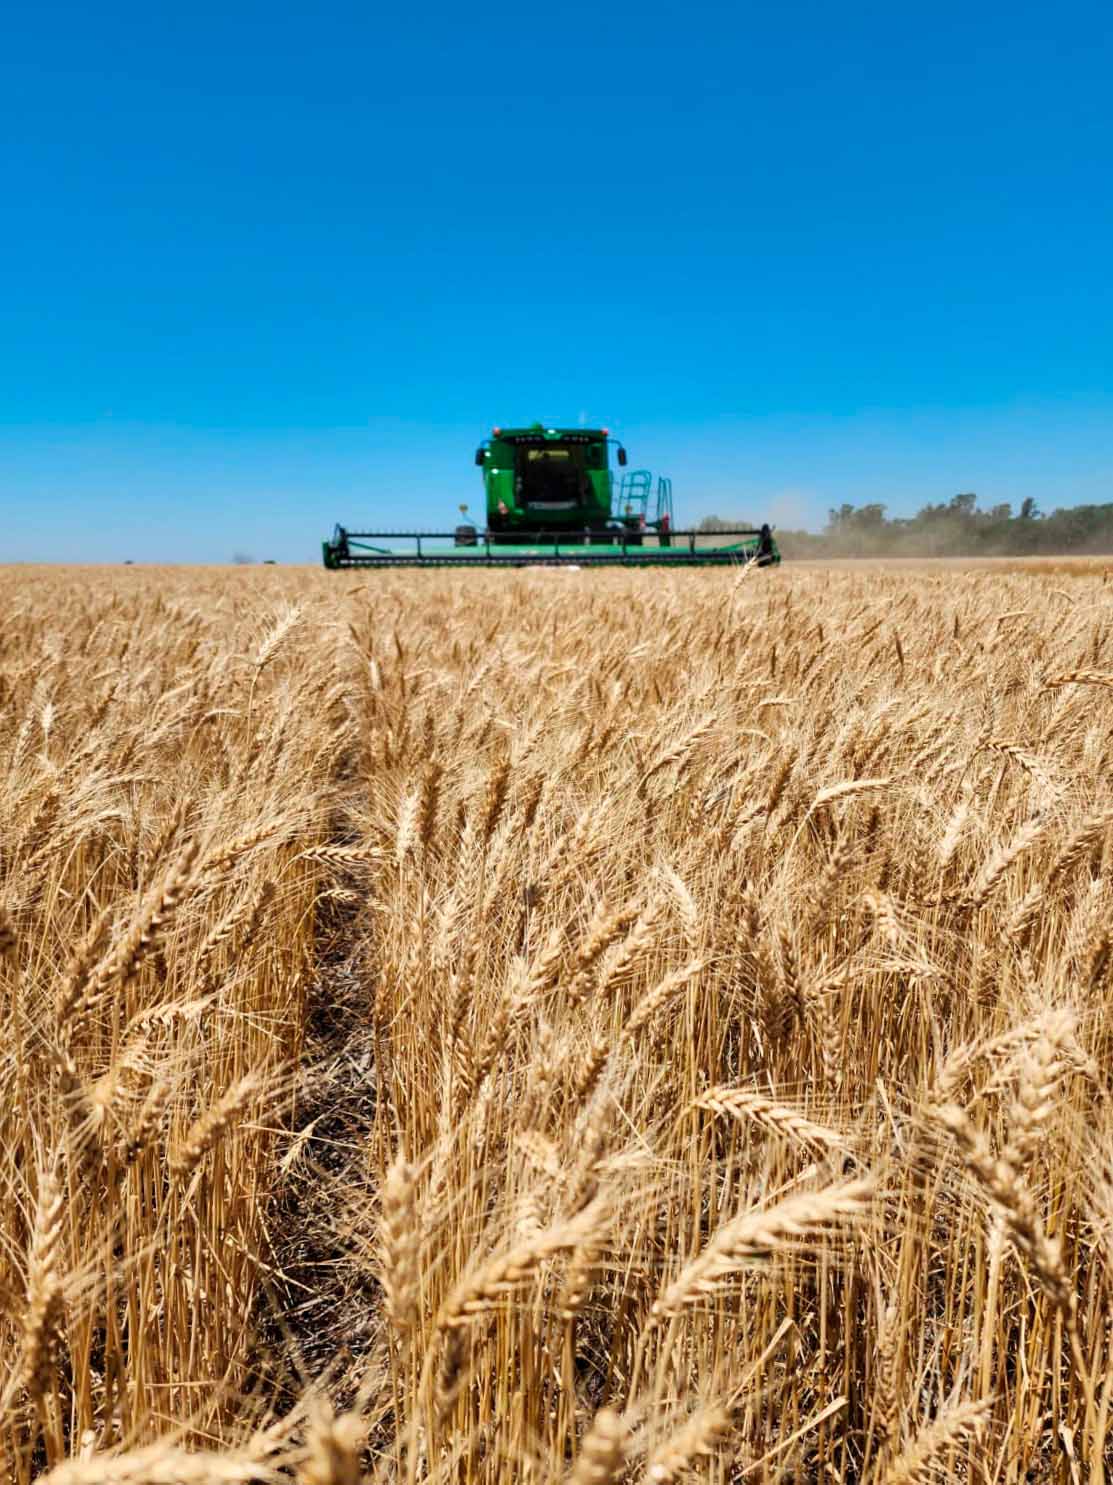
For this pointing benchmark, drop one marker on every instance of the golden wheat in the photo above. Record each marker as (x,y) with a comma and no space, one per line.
(729,959)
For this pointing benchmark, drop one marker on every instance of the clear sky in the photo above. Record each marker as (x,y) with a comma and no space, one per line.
(264,266)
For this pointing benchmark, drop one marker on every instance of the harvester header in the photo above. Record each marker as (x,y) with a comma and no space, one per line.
(551,499)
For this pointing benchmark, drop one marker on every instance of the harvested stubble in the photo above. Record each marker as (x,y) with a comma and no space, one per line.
(734,955)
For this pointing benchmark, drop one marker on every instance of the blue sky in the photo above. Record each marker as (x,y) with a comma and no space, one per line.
(264,267)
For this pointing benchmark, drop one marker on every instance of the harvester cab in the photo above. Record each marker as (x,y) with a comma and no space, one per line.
(540,483)
(551,499)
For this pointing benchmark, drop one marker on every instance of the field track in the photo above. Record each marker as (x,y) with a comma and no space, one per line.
(556,1025)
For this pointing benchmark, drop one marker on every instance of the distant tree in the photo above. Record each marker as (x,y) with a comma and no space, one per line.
(841,517)
(242,559)
(872,516)
(951,528)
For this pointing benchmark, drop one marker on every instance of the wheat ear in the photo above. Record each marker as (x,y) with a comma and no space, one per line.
(399,1237)
(332,1449)
(7,933)
(1016,1205)
(661,994)
(756,1235)
(124,958)
(42,1318)
(210,1128)
(506,1273)
(1081,678)
(920,1462)
(696,1438)
(775,1118)
(602,1451)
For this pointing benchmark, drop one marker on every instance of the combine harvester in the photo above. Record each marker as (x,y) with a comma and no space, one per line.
(552,501)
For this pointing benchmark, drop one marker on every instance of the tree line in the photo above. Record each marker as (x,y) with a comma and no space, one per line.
(954,528)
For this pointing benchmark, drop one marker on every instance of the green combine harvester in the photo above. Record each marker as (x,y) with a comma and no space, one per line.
(552,501)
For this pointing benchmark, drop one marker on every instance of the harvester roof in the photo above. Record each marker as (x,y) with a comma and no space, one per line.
(538,432)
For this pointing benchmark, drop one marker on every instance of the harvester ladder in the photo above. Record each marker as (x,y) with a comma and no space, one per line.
(633,495)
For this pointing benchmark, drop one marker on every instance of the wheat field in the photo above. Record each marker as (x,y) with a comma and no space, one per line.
(582,1027)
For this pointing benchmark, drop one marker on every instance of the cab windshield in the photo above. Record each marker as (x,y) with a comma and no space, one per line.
(552,476)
